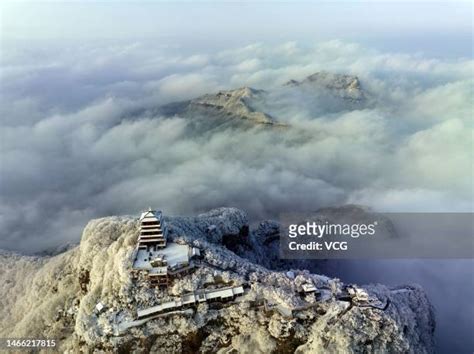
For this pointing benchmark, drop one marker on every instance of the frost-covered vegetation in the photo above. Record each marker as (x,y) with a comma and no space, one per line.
(56,297)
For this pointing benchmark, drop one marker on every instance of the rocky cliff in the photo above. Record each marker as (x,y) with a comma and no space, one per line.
(57,297)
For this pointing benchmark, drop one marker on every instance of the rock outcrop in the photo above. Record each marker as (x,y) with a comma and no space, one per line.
(236,103)
(347,87)
(222,110)
(57,297)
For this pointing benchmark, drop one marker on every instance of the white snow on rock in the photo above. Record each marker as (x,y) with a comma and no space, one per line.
(57,297)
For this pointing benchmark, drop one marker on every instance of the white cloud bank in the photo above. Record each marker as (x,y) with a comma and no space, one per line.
(71,150)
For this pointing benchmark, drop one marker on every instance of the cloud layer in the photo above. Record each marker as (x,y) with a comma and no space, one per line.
(74,148)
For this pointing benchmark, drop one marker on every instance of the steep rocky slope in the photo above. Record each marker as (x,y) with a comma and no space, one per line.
(56,297)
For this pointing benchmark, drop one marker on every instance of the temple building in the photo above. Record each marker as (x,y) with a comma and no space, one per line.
(152,232)
(157,258)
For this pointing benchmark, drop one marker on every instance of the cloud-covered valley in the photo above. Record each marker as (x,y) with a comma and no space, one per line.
(81,137)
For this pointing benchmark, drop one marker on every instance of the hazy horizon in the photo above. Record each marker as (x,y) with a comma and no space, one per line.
(435,28)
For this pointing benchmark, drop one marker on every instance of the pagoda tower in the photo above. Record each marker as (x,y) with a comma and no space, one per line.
(152,231)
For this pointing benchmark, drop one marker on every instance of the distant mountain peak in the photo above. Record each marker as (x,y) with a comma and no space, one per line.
(346,86)
(247,107)
(230,96)
(236,102)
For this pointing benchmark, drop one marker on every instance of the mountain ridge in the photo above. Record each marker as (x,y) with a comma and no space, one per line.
(247,107)
(58,297)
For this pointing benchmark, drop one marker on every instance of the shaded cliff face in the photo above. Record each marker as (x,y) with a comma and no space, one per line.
(56,297)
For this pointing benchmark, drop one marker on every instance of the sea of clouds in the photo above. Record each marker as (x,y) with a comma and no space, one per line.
(73,148)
